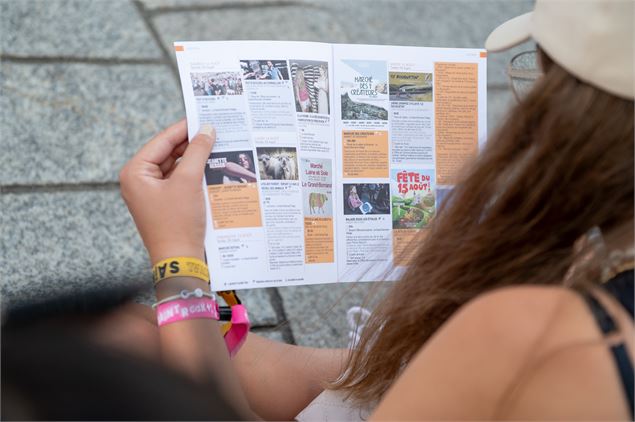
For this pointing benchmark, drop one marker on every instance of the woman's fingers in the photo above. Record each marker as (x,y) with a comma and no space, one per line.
(192,164)
(166,148)
(168,164)
(179,150)
(161,146)
(168,174)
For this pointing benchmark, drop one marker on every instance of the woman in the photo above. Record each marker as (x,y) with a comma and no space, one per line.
(301,92)
(243,172)
(502,315)
(353,199)
(230,168)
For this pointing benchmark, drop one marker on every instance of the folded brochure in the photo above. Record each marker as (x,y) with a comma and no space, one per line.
(330,158)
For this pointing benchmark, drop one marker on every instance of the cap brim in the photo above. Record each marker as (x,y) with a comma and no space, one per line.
(511,33)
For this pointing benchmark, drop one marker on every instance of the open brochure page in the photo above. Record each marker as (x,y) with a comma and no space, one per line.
(270,178)
(407,119)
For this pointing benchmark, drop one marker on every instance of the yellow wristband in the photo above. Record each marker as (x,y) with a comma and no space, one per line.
(180,266)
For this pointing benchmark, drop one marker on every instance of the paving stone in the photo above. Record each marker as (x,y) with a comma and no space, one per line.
(75,28)
(449,23)
(55,243)
(176,4)
(317,314)
(265,23)
(258,303)
(274,335)
(71,123)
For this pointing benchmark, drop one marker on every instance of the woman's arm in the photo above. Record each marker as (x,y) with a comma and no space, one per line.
(233,169)
(280,379)
(167,204)
(197,348)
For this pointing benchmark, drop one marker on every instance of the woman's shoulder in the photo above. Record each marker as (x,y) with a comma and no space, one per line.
(489,347)
(523,296)
(540,307)
(565,369)
(542,318)
(513,305)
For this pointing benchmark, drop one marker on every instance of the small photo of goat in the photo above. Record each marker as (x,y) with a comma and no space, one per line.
(278,163)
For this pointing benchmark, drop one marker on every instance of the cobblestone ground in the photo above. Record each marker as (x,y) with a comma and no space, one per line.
(86,83)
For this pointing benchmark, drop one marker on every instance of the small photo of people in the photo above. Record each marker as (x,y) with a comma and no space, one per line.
(270,70)
(310,86)
(366,198)
(277,163)
(216,83)
(229,168)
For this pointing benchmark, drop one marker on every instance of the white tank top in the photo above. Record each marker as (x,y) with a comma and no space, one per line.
(331,406)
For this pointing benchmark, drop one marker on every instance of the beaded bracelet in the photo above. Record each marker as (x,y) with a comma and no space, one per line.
(185,294)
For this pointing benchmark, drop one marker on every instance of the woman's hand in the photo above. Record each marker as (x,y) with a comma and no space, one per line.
(162,186)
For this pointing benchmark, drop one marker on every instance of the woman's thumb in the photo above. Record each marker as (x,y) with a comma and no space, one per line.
(192,164)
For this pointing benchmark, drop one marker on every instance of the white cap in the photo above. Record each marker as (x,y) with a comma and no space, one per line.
(592,39)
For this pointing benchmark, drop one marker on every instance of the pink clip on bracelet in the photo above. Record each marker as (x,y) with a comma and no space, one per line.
(185,309)
(237,334)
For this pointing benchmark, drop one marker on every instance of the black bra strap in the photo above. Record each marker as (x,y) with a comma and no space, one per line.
(622,360)
(625,367)
(604,320)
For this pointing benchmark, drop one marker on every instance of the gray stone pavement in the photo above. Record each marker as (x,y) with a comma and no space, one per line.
(85,83)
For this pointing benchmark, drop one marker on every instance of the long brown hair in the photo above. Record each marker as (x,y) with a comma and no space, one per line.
(560,164)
